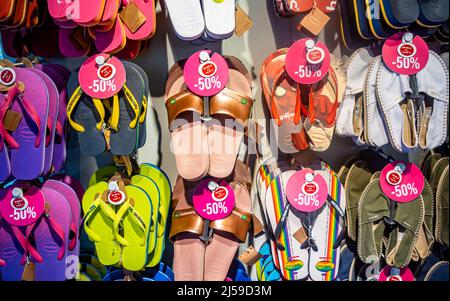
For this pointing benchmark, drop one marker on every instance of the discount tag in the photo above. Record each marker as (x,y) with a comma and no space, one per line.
(405,54)
(402,182)
(307,62)
(306,191)
(102,76)
(393,274)
(115,195)
(206,74)
(213,199)
(22,207)
(7,76)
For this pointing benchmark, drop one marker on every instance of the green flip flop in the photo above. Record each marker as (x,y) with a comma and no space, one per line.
(162,181)
(98,224)
(103,174)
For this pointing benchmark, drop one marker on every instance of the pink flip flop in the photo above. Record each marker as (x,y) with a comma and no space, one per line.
(89,12)
(111,41)
(146,30)
(5,164)
(232,104)
(110,12)
(189,138)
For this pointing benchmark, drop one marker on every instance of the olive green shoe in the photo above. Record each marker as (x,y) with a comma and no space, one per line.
(442,215)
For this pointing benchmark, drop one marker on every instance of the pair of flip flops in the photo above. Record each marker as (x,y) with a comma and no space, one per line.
(204,250)
(34,145)
(192,19)
(126,217)
(118,124)
(50,244)
(289,8)
(314,255)
(109,26)
(363,22)
(381,107)
(15,14)
(304,116)
(203,148)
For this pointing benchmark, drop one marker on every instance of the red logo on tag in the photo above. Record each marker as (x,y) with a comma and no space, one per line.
(105,71)
(7,76)
(18,204)
(394,278)
(310,188)
(116,197)
(407,50)
(394,178)
(315,55)
(208,69)
(220,194)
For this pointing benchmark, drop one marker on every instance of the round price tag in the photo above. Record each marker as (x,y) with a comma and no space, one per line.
(213,199)
(7,76)
(402,182)
(22,207)
(404,274)
(406,54)
(102,76)
(116,197)
(306,191)
(307,62)
(206,75)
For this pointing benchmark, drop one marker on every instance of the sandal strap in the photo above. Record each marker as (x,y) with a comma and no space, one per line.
(231,103)
(186,220)
(115,114)
(144,109)
(73,240)
(98,203)
(71,105)
(184,101)
(237,223)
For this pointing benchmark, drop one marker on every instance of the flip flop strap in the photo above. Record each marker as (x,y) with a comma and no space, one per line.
(53,226)
(115,114)
(12,94)
(144,109)
(71,105)
(273,105)
(91,213)
(313,94)
(22,241)
(136,217)
(237,223)
(73,240)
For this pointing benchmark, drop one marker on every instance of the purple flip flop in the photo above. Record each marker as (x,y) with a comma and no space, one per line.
(11,252)
(72,182)
(50,235)
(27,142)
(75,208)
(59,78)
(5,165)
(53,110)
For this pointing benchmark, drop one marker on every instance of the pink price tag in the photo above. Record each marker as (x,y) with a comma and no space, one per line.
(306,191)
(22,207)
(406,54)
(102,76)
(206,75)
(404,274)
(213,199)
(307,62)
(402,182)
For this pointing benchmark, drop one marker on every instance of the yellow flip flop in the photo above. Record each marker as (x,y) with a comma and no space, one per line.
(102,174)
(165,192)
(98,224)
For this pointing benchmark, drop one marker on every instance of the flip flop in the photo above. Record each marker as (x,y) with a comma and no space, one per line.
(165,193)
(130,51)
(69,45)
(51,248)
(52,117)
(5,164)
(86,116)
(73,250)
(298,6)
(324,261)
(93,261)
(99,224)
(234,102)
(125,123)
(219,18)
(350,37)
(189,140)
(148,28)
(28,140)
(136,217)
(433,13)
(11,251)
(186,17)
(6,10)
(110,12)
(282,101)
(58,9)
(72,182)
(400,14)
(111,41)
(229,232)
(186,228)
(91,271)
(324,100)
(377,25)
(359,12)
(89,13)
(428,164)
